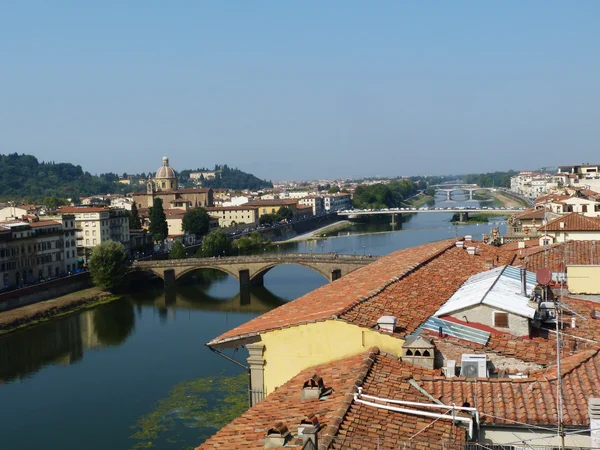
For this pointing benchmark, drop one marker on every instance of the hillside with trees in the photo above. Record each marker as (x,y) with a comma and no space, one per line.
(226,177)
(23,177)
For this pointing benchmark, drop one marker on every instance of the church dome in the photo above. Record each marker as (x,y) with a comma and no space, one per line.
(165,171)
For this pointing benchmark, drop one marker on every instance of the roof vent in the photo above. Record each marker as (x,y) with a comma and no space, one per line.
(472,250)
(308,429)
(460,244)
(277,436)
(474,366)
(387,324)
(468,238)
(314,389)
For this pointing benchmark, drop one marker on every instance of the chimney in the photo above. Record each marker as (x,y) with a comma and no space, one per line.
(277,436)
(460,244)
(521,244)
(387,324)
(468,238)
(562,224)
(472,250)
(313,388)
(308,431)
(523,281)
(594,413)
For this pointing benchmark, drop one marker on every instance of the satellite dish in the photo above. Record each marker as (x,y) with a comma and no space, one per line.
(544,276)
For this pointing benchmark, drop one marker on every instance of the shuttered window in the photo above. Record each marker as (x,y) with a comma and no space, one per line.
(501,319)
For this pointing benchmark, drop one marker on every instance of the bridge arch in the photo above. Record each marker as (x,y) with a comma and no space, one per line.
(258,275)
(183,272)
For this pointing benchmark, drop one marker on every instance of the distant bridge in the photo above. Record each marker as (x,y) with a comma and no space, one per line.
(471,189)
(464,212)
(250,270)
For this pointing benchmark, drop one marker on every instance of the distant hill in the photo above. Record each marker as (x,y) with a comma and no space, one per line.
(226,177)
(24,177)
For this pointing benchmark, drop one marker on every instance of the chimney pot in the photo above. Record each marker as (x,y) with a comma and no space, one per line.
(387,324)
(277,436)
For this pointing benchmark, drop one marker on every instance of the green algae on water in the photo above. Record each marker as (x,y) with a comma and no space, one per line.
(205,404)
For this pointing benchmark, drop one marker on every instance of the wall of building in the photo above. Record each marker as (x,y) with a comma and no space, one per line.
(291,350)
(484,314)
(44,291)
(505,435)
(584,279)
(563,236)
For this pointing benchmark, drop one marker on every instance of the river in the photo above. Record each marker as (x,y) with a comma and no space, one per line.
(135,373)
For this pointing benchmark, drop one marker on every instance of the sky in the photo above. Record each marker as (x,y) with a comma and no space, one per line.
(302,89)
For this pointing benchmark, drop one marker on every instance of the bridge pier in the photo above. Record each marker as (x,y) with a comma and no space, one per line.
(169,277)
(448,195)
(246,282)
(463,217)
(471,194)
(393,220)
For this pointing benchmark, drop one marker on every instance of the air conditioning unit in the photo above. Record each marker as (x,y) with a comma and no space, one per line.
(473,366)
(450,368)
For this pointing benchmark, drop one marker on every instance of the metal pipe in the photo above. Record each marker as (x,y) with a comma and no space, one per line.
(228,358)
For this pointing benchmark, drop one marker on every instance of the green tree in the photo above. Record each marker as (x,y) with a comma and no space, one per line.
(333,190)
(177,251)
(54,202)
(196,221)
(284,213)
(158,221)
(134,218)
(267,219)
(108,265)
(216,243)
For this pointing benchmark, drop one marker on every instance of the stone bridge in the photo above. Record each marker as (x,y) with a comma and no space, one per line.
(250,270)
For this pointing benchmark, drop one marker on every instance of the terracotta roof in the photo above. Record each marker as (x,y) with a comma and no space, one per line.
(537,214)
(573,222)
(532,400)
(369,427)
(421,292)
(284,201)
(75,209)
(557,256)
(44,223)
(230,208)
(337,298)
(285,405)
(345,423)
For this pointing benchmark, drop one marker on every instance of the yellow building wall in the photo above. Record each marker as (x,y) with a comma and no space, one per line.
(583,279)
(291,350)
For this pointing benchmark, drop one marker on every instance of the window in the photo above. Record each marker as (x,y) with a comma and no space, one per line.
(87,233)
(500,319)
(584,208)
(93,224)
(94,233)
(87,242)
(95,241)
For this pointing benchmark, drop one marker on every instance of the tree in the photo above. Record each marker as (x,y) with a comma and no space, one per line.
(267,219)
(333,190)
(196,221)
(158,221)
(216,243)
(134,218)
(54,202)
(107,265)
(284,213)
(177,251)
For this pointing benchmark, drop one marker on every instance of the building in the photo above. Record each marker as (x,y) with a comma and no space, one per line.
(272,206)
(165,186)
(11,212)
(315,202)
(413,351)
(572,226)
(230,216)
(336,202)
(97,225)
(33,252)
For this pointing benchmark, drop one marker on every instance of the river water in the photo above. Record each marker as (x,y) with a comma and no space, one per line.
(135,373)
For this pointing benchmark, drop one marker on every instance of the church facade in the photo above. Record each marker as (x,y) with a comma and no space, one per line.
(164,186)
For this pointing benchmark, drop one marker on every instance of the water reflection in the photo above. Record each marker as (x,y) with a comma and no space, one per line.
(65,340)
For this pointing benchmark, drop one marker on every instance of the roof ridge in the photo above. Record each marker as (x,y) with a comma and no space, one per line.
(397,278)
(568,365)
(340,414)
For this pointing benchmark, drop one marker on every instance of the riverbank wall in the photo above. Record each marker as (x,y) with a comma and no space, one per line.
(44,291)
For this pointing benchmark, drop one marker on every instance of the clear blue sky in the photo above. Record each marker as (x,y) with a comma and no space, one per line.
(302,89)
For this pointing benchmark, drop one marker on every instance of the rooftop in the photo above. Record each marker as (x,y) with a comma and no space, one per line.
(573,222)
(411,284)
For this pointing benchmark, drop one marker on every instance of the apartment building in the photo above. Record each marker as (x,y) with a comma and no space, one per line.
(315,202)
(235,215)
(32,252)
(337,202)
(97,225)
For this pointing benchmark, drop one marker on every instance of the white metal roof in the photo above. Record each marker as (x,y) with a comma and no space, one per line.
(499,288)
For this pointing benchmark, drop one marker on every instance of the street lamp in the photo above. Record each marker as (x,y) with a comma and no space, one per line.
(322,248)
(364,251)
